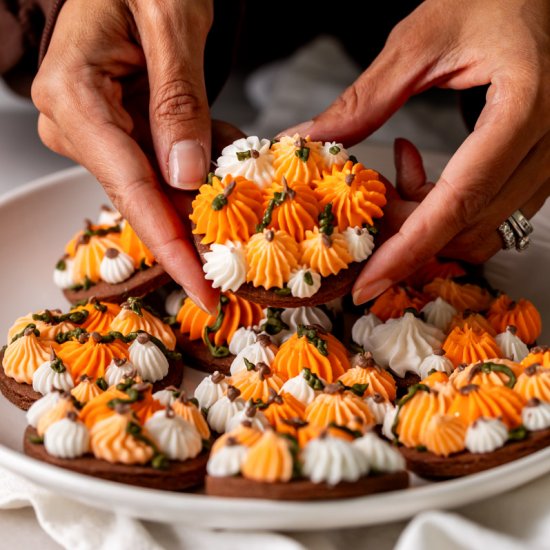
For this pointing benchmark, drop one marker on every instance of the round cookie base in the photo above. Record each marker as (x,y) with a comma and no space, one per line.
(138,285)
(197,355)
(179,476)
(23,395)
(332,287)
(302,490)
(431,466)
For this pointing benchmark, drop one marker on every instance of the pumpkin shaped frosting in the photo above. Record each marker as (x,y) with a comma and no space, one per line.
(473,320)
(435,268)
(100,315)
(466,345)
(534,383)
(539,355)
(325,253)
(495,372)
(461,297)
(393,302)
(134,247)
(281,408)
(444,435)
(297,159)
(256,382)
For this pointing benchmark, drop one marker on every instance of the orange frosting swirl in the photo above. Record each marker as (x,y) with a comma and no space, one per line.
(58,412)
(271,256)
(340,408)
(297,213)
(392,303)
(378,380)
(256,384)
(479,374)
(461,297)
(433,269)
(269,460)
(48,331)
(190,412)
(472,320)
(300,352)
(281,408)
(23,357)
(237,312)
(307,433)
(521,314)
(444,435)
(110,441)
(539,355)
(242,435)
(128,321)
(100,315)
(226,210)
(357,195)
(472,402)
(293,162)
(534,382)
(134,247)
(466,345)
(92,357)
(435,379)
(327,255)
(86,390)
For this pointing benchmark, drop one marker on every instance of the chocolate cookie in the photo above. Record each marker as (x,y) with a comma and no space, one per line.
(430,466)
(199,357)
(23,395)
(303,489)
(179,476)
(138,285)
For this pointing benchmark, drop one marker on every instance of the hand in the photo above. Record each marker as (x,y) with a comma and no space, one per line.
(502,166)
(121,91)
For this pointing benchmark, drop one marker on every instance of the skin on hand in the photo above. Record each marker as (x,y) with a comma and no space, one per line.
(502,166)
(121,91)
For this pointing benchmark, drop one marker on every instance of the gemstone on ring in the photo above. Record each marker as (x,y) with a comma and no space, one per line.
(507,234)
(523,243)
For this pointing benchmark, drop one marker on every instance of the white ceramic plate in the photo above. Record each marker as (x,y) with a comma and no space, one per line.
(35,223)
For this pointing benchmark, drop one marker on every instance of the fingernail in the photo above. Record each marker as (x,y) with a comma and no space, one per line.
(370,291)
(196,300)
(301,129)
(187,164)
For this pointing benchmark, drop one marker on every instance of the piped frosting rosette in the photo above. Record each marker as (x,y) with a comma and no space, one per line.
(107,260)
(286,223)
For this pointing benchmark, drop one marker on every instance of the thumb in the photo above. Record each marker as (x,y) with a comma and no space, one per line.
(173,35)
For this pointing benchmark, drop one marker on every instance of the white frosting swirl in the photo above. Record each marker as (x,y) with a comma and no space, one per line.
(242,338)
(256,164)
(381,455)
(304,282)
(165,397)
(174,436)
(149,361)
(486,435)
(387,425)
(403,343)
(362,329)
(360,243)
(174,301)
(115,374)
(255,353)
(333,153)
(378,407)
(536,416)
(436,362)
(41,407)
(64,278)
(116,269)
(222,411)
(45,379)
(67,438)
(208,391)
(439,313)
(225,266)
(300,389)
(258,421)
(227,461)
(303,315)
(332,460)
(512,346)
(109,216)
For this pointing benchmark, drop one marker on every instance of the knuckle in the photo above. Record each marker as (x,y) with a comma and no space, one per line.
(349,101)
(123,193)
(177,101)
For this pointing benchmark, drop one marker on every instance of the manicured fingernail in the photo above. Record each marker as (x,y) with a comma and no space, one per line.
(195,299)
(301,129)
(187,164)
(370,291)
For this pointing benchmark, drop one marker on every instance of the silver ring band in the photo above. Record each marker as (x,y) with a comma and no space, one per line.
(523,222)
(508,236)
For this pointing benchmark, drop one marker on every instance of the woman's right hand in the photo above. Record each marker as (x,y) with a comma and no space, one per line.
(121,91)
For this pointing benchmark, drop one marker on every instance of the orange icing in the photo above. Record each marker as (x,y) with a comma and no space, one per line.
(110,441)
(97,320)
(357,195)
(24,356)
(472,320)
(91,358)
(134,247)
(534,382)
(298,353)
(269,460)
(444,435)
(289,165)
(271,256)
(234,221)
(461,297)
(521,314)
(283,407)
(472,374)
(435,379)
(307,433)
(243,435)
(48,331)
(255,384)
(190,412)
(339,408)
(433,269)
(327,255)
(58,412)
(238,312)
(379,381)
(86,390)
(470,346)
(392,303)
(297,213)
(128,321)
(539,355)
(472,402)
